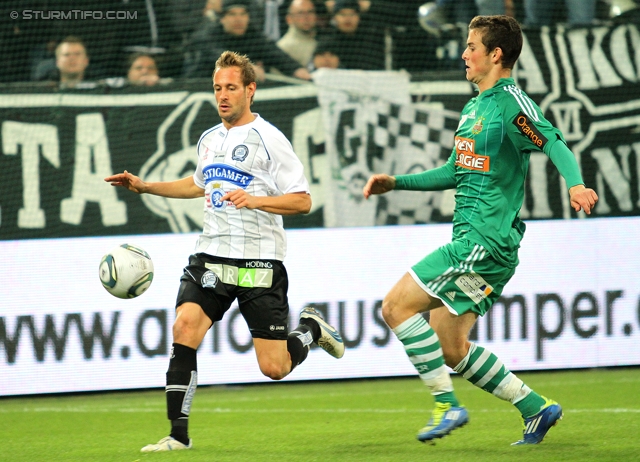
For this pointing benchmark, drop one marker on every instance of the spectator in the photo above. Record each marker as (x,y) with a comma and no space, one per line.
(300,40)
(325,56)
(71,61)
(358,46)
(151,32)
(188,14)
(234,32)
(540,12)
(143,70)
(212,9)
(188,17)
(142,25)
(364,5)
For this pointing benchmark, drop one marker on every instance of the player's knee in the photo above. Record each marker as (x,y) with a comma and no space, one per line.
(388,310)
(184,330)
(273,370)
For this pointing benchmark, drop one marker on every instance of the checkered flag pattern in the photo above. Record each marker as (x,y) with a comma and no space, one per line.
(431,130)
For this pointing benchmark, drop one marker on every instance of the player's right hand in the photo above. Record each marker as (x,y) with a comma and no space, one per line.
(127,180)
(582,198)
(379,183)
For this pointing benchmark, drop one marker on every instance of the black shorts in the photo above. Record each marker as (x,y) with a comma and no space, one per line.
(260,286)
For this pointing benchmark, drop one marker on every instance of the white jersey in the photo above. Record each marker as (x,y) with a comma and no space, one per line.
(258,158)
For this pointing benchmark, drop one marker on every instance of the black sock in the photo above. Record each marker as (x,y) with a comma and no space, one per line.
(182,380)
(180,430)
(313,326)
(298,343)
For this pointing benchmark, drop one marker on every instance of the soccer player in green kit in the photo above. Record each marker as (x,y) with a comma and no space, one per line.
(461,280)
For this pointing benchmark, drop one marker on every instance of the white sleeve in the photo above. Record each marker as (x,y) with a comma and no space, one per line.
(285,166)
(198,177)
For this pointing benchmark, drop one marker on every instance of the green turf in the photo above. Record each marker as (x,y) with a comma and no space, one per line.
(373,420)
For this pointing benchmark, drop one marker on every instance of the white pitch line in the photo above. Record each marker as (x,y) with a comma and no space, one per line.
(218,410)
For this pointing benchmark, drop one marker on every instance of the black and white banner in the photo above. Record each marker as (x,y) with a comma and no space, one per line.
(57,146)
(372,126)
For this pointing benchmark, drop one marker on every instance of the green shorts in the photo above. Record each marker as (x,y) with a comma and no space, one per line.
(463,275)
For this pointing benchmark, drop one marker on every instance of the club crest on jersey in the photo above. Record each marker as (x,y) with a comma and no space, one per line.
(240,153)
(216,196)
(209,280)
(478,125)
(467,158)
(528,129)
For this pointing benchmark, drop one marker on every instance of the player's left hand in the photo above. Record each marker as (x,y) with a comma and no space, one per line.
(241,199)
(583,198)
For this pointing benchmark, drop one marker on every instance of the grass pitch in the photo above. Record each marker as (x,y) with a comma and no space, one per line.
(364,420)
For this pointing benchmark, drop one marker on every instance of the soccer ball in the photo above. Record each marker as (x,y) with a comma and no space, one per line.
(126,271)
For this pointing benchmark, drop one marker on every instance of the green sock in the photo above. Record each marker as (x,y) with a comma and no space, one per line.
(530,404)
(483,369)
(447,397)
(423,348)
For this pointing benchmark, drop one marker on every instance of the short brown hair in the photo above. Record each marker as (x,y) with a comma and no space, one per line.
(233,59)
(72,39)
(502,32)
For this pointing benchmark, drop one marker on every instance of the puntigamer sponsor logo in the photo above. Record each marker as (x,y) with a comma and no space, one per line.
(221,172)
(529,130)
(467,158)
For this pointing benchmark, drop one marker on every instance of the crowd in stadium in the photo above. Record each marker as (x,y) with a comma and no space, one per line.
(182,38)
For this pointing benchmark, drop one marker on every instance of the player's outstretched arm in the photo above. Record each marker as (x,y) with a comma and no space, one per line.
(582,198)
(127,180)
(379,183)
(184,188)
(287,204)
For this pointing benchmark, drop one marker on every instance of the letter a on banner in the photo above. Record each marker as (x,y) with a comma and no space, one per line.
(34,139)
(88,185)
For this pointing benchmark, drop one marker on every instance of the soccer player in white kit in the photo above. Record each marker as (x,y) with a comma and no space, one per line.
(250,177)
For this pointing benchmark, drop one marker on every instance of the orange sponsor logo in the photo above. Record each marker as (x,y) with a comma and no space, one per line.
(467,158)
(530,131)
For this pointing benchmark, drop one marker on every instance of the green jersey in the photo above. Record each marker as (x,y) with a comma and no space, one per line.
(488,166)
